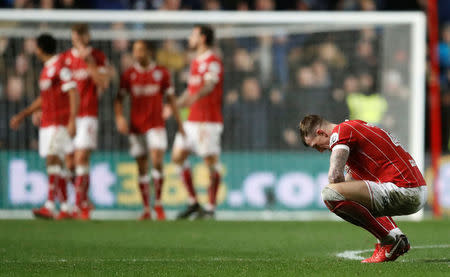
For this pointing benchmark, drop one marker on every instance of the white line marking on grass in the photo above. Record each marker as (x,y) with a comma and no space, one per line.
(356,254)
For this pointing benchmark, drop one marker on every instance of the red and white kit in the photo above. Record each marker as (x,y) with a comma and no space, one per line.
(205,123)
(146,87)
(55,80)
(87,123)
(394,181)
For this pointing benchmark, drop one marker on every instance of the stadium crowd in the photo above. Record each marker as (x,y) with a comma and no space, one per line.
(270,80)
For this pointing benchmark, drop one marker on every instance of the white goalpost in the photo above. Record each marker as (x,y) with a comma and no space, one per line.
(279,47)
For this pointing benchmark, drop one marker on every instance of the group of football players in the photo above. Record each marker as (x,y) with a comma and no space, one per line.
(71,84)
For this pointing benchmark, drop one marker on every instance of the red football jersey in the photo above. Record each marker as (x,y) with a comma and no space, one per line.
(55,80)
(146,87)
(376,155)
(85,83)
(207,66)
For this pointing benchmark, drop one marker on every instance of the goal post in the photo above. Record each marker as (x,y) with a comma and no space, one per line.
(331,59)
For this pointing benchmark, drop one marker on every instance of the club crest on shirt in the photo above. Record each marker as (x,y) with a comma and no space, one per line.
(334,138)
(51,71)
(157,75)
(202,68)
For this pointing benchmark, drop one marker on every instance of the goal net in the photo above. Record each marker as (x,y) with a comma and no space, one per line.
(278,67)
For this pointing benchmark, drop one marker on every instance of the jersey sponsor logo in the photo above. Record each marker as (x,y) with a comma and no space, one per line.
(80,74)
(45,84)
(145,90)
(195,80)
(334,138)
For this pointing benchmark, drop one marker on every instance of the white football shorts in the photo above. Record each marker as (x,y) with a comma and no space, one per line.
(202,138)
(155,138)
(54,140)
(87,130)
(390,200)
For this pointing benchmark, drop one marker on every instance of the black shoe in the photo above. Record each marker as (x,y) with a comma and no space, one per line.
(203,214)
(190,210)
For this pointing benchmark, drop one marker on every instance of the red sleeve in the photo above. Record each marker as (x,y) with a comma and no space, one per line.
(166,86)
(125,86)
(342,136)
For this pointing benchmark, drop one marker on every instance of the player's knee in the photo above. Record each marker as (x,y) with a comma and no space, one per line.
(330,194)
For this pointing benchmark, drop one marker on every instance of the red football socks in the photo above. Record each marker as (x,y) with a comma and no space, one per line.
(359,215)
(144,189)
(187,180)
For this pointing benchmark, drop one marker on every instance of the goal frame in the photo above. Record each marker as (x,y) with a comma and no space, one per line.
(417,21)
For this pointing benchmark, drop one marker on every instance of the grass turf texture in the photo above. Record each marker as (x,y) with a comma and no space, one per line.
(208,248)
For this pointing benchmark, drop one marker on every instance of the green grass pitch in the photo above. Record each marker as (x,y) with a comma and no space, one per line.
(210,248)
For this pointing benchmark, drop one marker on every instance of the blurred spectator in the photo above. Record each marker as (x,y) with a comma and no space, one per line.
(23,4)
(367,5)
(368,107)
(12,103)
(264,5)
(211,5)
(243,67)
(365,58)
(444,48)
(171,55)
(246,121)
(171,5)
(47,4)
(242,5)
(276,119)
(396,93)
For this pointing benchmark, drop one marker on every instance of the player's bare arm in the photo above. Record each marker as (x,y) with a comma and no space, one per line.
(173,105)
(337,165)
(207,88)
(74,102)
(181,100)
(121,121)
(18,118)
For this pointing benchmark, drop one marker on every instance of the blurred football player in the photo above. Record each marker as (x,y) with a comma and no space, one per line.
(146,83)
(205,124)
(90,71)
(382,180)
(59,103)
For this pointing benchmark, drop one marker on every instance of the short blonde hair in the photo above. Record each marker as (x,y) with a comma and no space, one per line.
(309,124)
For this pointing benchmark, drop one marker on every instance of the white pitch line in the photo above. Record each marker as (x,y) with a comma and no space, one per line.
(356,254)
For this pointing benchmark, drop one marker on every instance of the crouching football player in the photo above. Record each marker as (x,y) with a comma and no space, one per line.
(147,84)
(382,180)
(59,102)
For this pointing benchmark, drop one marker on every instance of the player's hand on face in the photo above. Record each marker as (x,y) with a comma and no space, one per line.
(15,122)
(122,125)
(71,129)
